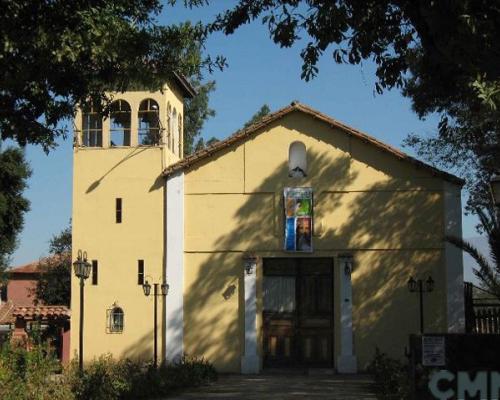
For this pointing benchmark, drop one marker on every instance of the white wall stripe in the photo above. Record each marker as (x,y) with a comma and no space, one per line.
(174,268)
(250,363)
(346,361)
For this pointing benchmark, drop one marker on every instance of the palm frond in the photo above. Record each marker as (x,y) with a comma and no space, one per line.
(486,273)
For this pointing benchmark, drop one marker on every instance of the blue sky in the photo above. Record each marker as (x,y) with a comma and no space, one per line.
(259,72)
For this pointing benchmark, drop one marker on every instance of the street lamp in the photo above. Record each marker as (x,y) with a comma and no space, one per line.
(146,287)
(82,272)
(421,287)
(495,189)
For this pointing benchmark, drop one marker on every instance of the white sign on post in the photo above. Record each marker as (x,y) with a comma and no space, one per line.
(433,351)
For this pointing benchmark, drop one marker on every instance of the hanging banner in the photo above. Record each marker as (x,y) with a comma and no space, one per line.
(298,219)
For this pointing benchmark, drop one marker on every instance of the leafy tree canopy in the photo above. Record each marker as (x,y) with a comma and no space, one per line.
(446,42)
(61,243)
(469,145)
(201,144)
(443,55)
(14,173)
(54,285)
(196,112)
(263,111)
(57,54)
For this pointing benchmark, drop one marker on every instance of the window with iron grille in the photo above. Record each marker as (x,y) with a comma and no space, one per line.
(115,320)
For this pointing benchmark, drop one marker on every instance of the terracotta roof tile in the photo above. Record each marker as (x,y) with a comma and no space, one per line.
(33,267)
(240,135)
(6,312)
(32,312)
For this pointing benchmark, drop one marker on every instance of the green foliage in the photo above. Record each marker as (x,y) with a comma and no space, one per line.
(54,285)
(467,142)
(488,272)
(263,111)
(444,56)
(61,243)
(391,377)
(29,375)
(14,173)
(196,112)
(201,144)
(440,43)
(57,54)
(108,379)
(104,379)
(35,375)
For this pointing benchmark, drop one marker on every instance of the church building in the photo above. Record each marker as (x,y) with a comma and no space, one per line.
(288,244)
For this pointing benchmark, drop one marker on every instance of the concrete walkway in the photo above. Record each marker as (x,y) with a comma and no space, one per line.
(278,387)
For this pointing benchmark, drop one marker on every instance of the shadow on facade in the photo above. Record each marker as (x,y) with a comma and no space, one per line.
(392,227)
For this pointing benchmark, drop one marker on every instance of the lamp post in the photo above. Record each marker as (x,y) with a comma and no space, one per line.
(82,271)
(421,287)
(146,287)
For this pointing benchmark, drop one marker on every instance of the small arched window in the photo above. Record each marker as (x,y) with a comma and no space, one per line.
(116,320)
(181,136)
(149,122)
(297,160)
(169,126)
(175,131)
(120,116)
(91,127)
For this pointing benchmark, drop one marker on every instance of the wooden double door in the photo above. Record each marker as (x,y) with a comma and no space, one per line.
(298,312)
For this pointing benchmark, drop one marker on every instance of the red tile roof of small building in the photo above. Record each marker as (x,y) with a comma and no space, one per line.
(6,312)
(30,268)
(34,266)
(43,312)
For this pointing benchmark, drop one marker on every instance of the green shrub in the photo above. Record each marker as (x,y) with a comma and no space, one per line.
(108,379)
(102,379)
(35,375)
(391,377)
(29,374)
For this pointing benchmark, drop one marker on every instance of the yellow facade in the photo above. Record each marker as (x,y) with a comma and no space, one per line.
(100,176)
(386,212)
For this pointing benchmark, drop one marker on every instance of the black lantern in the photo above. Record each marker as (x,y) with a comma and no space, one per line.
(82,266)
(412,284)
(421,286)
(147,288)
(82,271)
(429,284)
(164,288)
(495,189)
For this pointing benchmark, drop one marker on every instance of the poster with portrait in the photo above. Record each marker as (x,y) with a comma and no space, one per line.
(298,219)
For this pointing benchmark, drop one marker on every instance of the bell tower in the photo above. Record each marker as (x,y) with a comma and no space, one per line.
(118,213)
